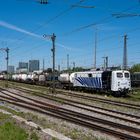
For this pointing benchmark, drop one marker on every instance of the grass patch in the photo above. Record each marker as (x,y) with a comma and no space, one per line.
(33,136)
(9,131)
(135,96)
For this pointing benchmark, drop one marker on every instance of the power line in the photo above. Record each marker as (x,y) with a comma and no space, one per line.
(99,51)
(49,21)
(98,22)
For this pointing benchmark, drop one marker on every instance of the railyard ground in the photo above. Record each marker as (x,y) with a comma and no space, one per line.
(68,130)
(41,120)
(19,132)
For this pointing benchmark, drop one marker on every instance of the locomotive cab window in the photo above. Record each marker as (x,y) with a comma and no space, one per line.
(119,75)
(126,75)
(89,75)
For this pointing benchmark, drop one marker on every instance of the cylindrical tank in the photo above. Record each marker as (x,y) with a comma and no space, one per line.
(72,77)
(64,77)
(23,77)
(42,78)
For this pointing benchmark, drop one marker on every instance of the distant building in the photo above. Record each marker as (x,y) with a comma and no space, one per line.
(23,65)
(33,65)
(11,69)
(22,70)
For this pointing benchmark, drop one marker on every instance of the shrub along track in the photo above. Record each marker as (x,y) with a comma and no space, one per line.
(72,116)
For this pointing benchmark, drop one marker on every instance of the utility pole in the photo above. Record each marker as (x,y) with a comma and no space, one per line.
(59,68)
(53,53)
(125,53)
(74,66)
(52,37)
(105,62)
(43,65)
(95,48)
(7,61)
(67,62)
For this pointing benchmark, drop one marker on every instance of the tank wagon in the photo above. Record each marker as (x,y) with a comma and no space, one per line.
(117,82)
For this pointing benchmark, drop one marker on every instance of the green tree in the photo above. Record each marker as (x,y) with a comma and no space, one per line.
(135,68)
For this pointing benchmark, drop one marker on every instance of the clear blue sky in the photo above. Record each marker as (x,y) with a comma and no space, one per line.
(23,23)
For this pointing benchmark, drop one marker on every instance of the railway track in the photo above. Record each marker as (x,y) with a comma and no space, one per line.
(84,106)
(117,103)
(72,115)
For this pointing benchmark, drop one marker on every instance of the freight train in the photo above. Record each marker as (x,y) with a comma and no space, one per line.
(116,82)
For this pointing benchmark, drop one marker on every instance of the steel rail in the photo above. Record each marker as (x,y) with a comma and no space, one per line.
(99,112)
(118,103)
(67,111)
(77,121)
(72,101)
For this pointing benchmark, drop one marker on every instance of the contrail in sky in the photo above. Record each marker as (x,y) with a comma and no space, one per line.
(15,28)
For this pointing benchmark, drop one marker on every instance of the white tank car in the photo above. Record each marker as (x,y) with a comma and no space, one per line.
(118,82)
(14,77)
(1,77)
(64,77)
(19,77)
(35,77)
(29,78)
(42,78)
(23,77)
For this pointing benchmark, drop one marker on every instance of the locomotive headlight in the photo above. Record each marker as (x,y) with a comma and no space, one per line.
(118,83)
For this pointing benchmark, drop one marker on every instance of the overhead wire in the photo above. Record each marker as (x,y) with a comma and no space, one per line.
(101,21)
(99,51)
(67,11)
(49,21)
(80,28)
